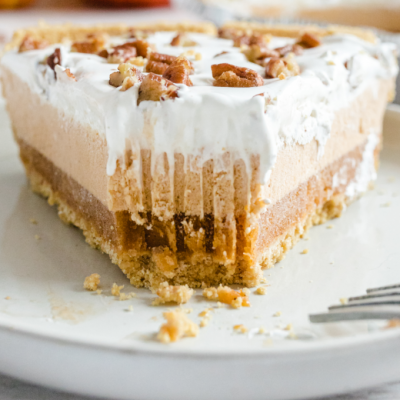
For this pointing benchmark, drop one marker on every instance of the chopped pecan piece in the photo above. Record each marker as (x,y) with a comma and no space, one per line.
(179,70)
(156,88)
(164,58)
(230,33)
(54,59)
(156,67)
(143,48)
(281,68)
(122,53)
(181,39)
(93,45)
(70,74)
(309,40)
(124,72)
(248,40)
(103,53)
(139,33)
(257,52)
(221,54)
(28,43)
(289,48)
(231,76)
(158,63)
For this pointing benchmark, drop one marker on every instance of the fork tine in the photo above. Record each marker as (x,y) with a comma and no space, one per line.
(367,301)
(382,288)
(375,295)
(357,313)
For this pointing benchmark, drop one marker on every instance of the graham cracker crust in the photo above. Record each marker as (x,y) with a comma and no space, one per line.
(144,256)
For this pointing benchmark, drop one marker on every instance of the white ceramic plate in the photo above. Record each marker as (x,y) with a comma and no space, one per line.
(54,333)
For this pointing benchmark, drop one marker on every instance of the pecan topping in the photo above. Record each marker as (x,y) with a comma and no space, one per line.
(181,39)
(158,63)
(125,71)
(231,76)
(139,34)
(309,40)
(54,59)
(29,43)
(281,68)
(164,58)
(256,52)
(248,40)
(156,88)
(103,53)
(179,70)
(143,48)
(230,33)
(70,74)
(93,45)
(156,67)
(122,53)
(289,48)
(221,54)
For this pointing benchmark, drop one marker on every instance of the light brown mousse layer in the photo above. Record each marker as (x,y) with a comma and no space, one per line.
(144,256)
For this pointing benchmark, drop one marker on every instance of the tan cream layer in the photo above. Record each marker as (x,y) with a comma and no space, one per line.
(82,154)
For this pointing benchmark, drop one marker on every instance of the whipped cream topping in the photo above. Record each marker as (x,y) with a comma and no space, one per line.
(207,121)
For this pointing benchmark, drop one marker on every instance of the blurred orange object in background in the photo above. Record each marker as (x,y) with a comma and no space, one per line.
(128,3)
(14,3)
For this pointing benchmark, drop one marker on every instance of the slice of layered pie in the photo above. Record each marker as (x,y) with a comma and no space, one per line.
(194,157)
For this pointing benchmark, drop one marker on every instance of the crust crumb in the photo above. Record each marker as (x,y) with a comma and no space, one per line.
(206,314)
(261,290)
(305,251)
(7,298)
(33,221)
(91,282)
(393,323)
(240,328)
(175,294)
(178,325)
(229,296)
(277,314)
(116,290)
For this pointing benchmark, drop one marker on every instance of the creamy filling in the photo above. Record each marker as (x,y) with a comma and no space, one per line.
(207,121)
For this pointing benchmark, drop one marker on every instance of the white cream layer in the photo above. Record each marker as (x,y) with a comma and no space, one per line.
(207,121)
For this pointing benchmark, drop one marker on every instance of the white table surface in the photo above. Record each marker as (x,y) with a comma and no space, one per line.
(56,12)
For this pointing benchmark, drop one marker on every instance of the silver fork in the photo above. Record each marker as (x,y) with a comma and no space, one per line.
(378,303)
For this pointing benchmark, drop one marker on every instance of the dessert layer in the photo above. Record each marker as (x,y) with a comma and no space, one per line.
(205,122)
(81,153)
(144,255)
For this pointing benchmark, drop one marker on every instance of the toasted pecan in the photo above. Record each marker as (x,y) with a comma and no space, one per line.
(158,63)
(28,43)
(309,40)
(248,40)
(289,48)
(181,39)
(231,76)
(125,71)
(122,53)
(281,68)
(92,45)
(156,88)
(54,59)
(179,70)
(257,52)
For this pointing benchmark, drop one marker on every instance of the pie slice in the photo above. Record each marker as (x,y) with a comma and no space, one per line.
(192,157)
